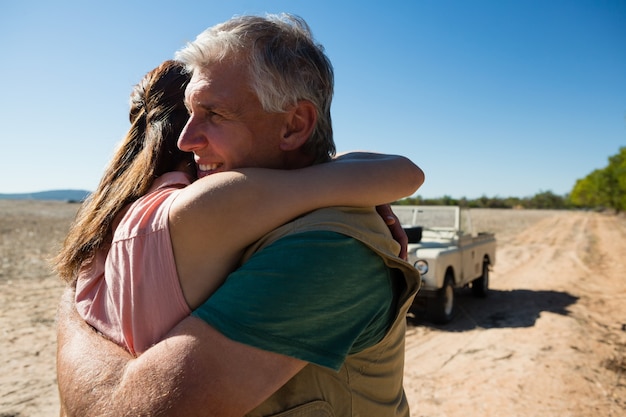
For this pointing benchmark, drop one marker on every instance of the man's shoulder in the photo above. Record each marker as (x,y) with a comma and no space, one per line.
(356,222)
(363,224)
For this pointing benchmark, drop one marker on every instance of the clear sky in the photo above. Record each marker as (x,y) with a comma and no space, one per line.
(490,97)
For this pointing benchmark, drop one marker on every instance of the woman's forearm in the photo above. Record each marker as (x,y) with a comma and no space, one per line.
(369,179)
(357,179)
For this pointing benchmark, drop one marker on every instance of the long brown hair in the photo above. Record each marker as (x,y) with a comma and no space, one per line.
(157,116)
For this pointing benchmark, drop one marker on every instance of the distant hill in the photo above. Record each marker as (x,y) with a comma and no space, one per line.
(62,195)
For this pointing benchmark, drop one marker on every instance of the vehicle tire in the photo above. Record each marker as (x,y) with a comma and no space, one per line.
(480,286)
(441,308)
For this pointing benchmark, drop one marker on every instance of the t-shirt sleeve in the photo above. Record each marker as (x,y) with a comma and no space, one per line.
(316,296)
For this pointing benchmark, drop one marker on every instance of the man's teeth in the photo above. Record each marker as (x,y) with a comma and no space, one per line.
(208,167)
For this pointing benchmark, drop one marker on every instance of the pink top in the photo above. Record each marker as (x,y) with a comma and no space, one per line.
(131,293)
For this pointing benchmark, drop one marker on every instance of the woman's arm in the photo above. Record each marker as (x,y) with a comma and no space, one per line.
(215,218)
(353,179)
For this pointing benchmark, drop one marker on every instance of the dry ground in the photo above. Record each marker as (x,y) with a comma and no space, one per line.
(548,341)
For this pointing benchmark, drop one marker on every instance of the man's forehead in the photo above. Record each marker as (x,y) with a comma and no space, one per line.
(220,81)
(199,81)
(229,96)
(202,86)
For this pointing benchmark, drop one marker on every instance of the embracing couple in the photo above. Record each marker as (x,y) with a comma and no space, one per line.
(228,263)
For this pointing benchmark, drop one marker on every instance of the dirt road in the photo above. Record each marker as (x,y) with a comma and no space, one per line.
(549,339)
(547,342)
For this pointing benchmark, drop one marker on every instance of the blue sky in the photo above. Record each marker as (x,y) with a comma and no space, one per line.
(496,98)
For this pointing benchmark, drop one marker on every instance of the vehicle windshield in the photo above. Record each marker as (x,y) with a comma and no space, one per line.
(428,217)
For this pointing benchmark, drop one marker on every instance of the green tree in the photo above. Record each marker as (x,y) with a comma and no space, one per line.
(603,188)
(590,192)
(616,180)
(546,200)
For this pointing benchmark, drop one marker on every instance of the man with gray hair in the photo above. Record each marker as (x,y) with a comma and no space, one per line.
(313,322)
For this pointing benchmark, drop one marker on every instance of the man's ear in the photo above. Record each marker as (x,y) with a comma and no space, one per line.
(301,120)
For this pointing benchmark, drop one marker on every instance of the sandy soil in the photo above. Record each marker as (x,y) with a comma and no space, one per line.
(550,340)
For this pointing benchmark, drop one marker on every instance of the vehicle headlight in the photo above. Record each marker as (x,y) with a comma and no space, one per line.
(422,266)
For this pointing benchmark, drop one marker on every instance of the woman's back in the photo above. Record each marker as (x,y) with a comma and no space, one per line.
(131,292)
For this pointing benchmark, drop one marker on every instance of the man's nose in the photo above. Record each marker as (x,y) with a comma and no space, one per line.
(190,138)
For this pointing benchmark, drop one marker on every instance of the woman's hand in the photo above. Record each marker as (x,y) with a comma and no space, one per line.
(398,233)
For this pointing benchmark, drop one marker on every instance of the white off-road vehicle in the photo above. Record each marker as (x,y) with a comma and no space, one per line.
(441,238)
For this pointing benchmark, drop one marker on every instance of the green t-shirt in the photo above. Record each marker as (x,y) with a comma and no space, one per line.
(317,296)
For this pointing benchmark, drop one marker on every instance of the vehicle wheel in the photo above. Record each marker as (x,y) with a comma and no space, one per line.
(480,286)
(441,308)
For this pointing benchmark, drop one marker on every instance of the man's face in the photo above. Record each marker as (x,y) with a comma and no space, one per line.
(228,128)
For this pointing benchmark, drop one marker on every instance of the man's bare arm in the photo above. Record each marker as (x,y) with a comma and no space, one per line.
(194,371)
(77,369)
